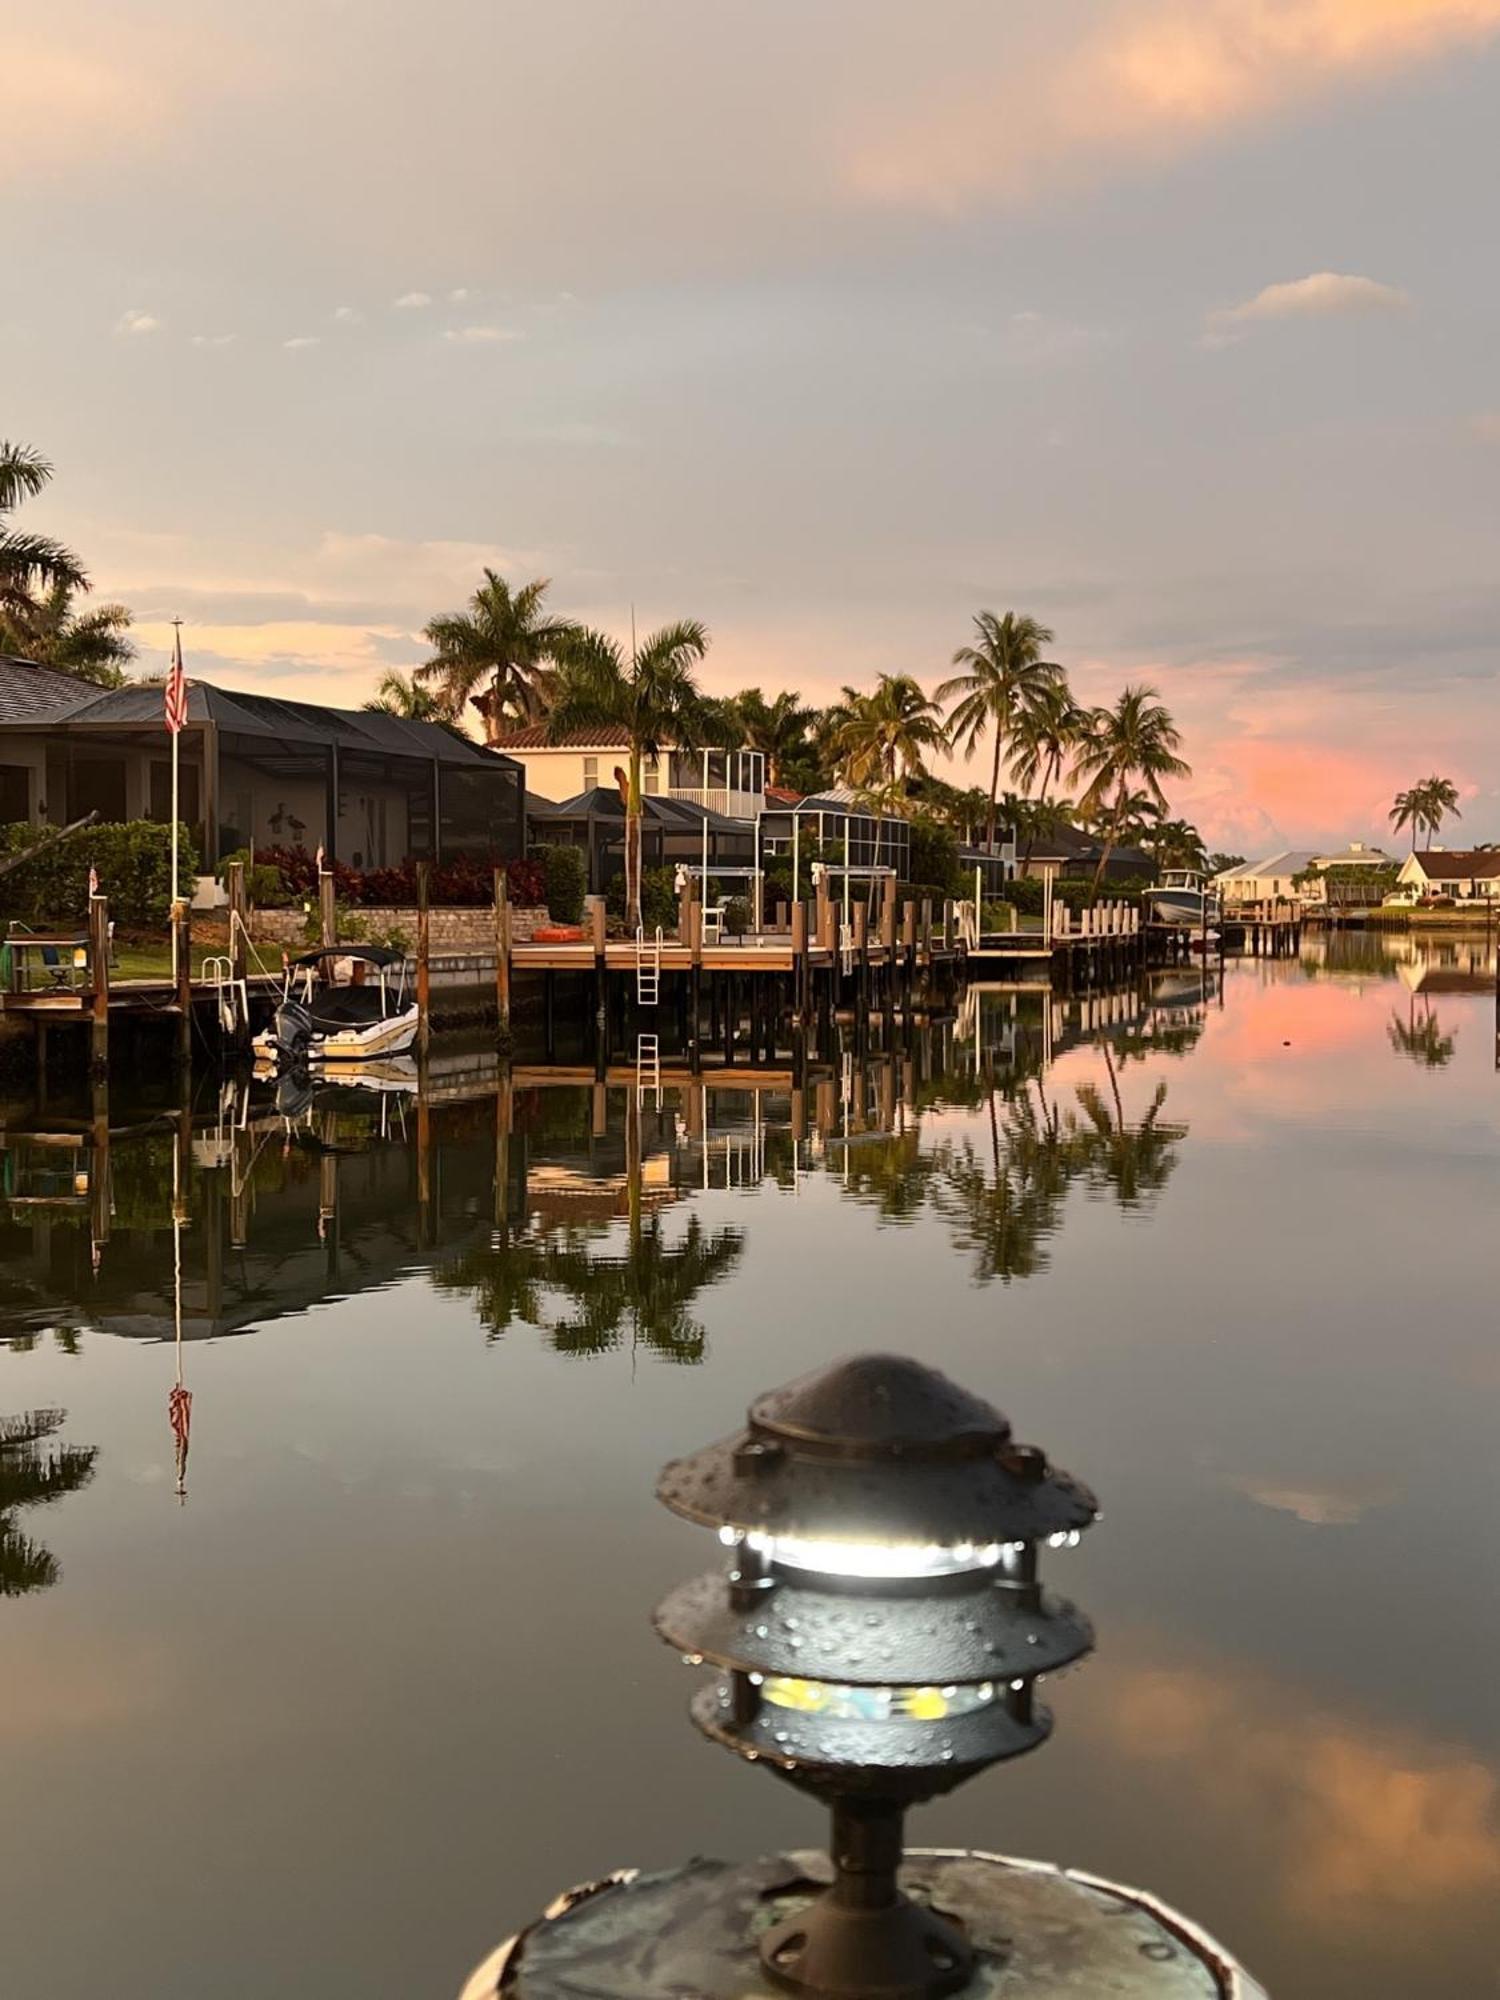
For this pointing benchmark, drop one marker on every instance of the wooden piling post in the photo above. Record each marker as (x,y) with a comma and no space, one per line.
(99,977)
(328,911)
(424,955)
(693,916)
(799,963)
(502,950)
(239,951)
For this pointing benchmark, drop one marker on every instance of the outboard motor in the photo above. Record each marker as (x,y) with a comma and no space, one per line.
(292,1032)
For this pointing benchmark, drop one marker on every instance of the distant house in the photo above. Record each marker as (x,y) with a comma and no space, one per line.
(730,782)
(1469,874)
(1270,880)
(1075,856)
(1342,877)
(370,789)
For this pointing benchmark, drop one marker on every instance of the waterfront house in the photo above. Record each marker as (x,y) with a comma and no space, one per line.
(1272,879)
(1074,856)
(1468,874)
(1342,877)
(371,789)
(729,782)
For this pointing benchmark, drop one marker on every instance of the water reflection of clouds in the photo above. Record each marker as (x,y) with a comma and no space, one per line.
(1318,1506)
(1373,1825)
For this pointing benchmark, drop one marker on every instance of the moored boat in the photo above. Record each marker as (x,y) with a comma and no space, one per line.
(1186,897)
(332,1010)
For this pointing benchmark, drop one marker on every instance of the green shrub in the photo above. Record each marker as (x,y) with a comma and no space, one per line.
(265,885)
(934,858)
(566,874)
(658,898)
(133,859)
(736,916)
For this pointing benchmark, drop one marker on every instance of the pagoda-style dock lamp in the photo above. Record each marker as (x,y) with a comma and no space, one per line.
(881,1628)
(878,1630)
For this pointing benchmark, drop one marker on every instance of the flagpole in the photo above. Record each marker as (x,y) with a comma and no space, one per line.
(176,767)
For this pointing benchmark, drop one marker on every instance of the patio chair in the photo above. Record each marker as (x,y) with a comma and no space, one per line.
(713,920)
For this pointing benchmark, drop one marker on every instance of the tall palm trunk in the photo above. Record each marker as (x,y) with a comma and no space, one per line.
(989,831)
(1111,838)
(1049,772)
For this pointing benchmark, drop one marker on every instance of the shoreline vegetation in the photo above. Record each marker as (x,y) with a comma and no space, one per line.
(1052,764)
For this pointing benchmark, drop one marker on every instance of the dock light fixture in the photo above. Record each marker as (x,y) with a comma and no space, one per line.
(878,1632)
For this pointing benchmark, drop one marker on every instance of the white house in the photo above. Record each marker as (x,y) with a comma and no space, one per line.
(1469,874)
(731,782)
(1274,878)
(1267,881)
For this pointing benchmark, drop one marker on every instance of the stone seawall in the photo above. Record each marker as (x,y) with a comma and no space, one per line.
(467,929)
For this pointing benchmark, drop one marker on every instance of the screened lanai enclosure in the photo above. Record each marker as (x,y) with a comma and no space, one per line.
(373,790)
(674,833)
(834,827)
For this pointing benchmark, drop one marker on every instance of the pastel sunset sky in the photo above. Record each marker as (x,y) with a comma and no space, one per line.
(1173,322)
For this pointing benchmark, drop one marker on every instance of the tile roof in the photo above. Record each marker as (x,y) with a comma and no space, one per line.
(32,693)
(607,736)
(1459,864)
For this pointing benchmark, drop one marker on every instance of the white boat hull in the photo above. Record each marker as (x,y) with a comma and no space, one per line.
(373,1042)
(1186,907)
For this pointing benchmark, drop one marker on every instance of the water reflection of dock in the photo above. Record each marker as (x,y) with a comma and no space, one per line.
(486,1178)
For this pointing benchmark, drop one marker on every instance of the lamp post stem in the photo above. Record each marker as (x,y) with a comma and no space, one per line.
(867,1845)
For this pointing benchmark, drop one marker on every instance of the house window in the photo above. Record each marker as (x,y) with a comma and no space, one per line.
(651,778)
(15,794)
(590,773)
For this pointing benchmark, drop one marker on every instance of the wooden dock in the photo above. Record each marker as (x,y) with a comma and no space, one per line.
(677,991)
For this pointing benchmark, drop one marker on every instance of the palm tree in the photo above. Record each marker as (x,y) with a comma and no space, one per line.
(1136,739)
(1176,843)
(403,694)
(1439,798)
(778,729)
(652,695)
(90,645)
(1425,805)
(498,654)
(1005,676)
(1044,734)
(887,731)
(29,563)
(1406,810)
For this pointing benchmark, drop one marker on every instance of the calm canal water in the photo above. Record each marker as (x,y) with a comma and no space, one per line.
(383,1681)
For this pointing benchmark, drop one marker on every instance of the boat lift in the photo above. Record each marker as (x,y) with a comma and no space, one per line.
(843,872)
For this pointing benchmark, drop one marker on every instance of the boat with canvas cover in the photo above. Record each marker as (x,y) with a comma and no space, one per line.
(341,1004)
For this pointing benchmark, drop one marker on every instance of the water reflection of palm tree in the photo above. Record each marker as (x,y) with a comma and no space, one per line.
(1423,1041)
(1005,1211)
(29,1477)
(644,1296)
(1132,1159)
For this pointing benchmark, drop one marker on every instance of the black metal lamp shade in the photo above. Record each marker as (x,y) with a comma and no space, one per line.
(882,1626)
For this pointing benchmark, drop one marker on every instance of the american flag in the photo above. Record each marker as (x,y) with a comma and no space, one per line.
(93,881)
(180,1416)
(176,704)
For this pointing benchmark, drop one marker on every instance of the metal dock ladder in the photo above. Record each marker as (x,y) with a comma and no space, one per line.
(647,968)
(647,1068)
